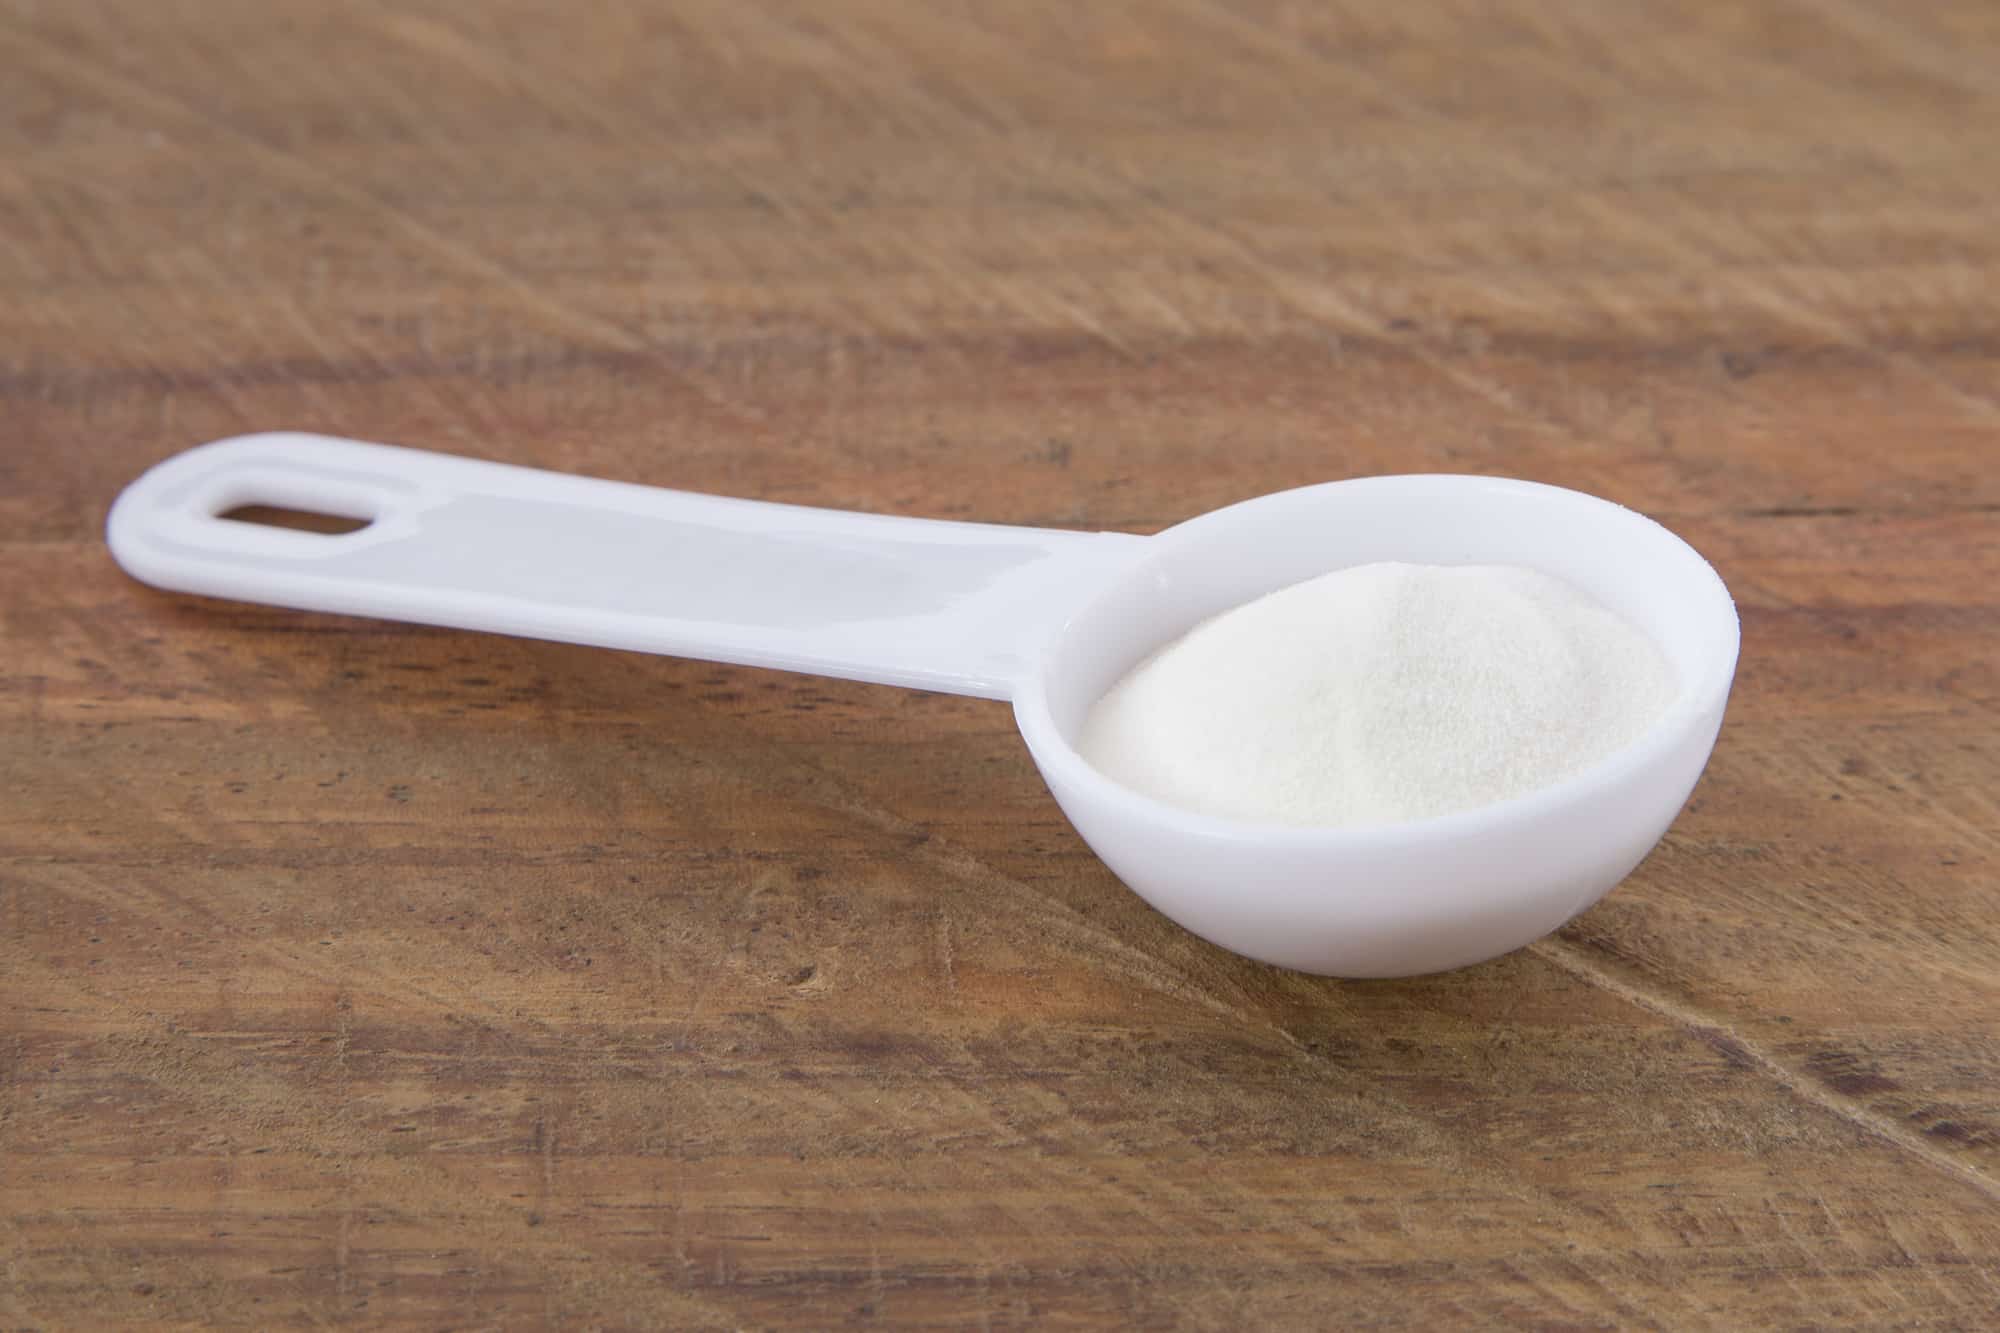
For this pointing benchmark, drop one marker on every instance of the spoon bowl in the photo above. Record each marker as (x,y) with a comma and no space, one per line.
(1047,619)
(1425,895)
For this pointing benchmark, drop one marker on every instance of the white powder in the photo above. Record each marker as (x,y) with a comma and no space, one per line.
(1381,693)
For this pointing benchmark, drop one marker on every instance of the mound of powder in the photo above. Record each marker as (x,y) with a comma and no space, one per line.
(1378,694)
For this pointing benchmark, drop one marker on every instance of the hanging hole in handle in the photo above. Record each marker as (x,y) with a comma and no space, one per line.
(285,504)
(295,520)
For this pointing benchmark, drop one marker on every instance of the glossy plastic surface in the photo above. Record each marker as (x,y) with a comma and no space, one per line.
(1049,619)
(487,546)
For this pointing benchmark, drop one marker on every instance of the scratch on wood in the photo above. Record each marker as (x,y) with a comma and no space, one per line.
(340,1251)
(1572,960)
(946,971)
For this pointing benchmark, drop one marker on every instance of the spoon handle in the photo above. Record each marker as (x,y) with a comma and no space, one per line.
(927,603)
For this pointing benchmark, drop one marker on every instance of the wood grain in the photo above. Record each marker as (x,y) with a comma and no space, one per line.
(365,975)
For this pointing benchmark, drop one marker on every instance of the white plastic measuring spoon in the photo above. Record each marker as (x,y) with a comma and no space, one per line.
(1044,618)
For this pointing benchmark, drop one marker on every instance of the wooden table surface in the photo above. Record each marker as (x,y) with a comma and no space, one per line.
(366,975)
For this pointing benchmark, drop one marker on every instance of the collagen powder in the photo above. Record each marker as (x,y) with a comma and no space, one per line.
(1378,694)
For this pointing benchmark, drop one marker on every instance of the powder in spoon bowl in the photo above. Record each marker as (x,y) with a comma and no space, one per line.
(1378,694)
